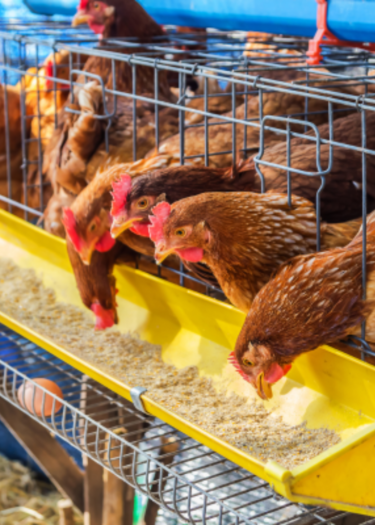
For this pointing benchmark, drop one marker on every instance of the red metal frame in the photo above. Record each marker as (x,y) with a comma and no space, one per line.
(324,36)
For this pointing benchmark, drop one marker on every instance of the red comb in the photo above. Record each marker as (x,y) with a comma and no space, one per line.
(49,68)
(105,243)
(69,221)
(233,361)
(121,190)
(161,212)
(104,318)
(83,4)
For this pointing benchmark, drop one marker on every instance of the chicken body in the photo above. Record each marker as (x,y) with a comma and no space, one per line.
(96,283)
(243,237)
(312,300)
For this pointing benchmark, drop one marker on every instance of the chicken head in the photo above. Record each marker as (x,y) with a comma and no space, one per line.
(130,214)
(172,233)
(94,13)
(258,365)
(95,236)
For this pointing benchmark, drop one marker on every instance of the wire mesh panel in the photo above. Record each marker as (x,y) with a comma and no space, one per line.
(209,99)
(44,65)
(187,479)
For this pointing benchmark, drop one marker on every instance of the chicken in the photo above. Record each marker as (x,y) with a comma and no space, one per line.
(243,237)
(133,200)
(96,283)
(118,19)
(312,300)
(81,134)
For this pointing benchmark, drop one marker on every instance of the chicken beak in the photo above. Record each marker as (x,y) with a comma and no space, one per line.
(161,256)
(117,229)
(80,18)
(264,389)
(86,255)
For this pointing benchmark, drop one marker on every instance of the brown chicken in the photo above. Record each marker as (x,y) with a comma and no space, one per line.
(312,300)
(96,283)
(133,199)
(243,237)
(121,19)
(87,224)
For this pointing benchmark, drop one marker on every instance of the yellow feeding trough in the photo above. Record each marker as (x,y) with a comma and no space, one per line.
(325,389)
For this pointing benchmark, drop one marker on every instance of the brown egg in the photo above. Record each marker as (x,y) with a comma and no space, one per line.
(34,402)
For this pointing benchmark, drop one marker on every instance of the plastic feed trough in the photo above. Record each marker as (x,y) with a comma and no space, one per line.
(325,388)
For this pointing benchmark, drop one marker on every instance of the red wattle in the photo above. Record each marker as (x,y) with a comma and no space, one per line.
(105,243)
(103,318)
(97,28)
(274,374)
(286,369)
(141,228)
(191,254)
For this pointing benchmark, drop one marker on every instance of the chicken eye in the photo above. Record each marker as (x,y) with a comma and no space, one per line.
(142,203)
(246,362)
(180,232)
(92,227)
(96,5)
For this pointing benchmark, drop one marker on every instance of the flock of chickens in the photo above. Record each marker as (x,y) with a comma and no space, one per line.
(260,249)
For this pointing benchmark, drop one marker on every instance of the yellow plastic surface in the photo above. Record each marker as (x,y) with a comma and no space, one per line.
(325,388)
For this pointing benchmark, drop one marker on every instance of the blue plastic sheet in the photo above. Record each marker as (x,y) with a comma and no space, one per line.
(347,19)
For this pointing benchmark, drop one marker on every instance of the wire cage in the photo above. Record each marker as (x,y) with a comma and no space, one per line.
(185,478)
(223,84)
